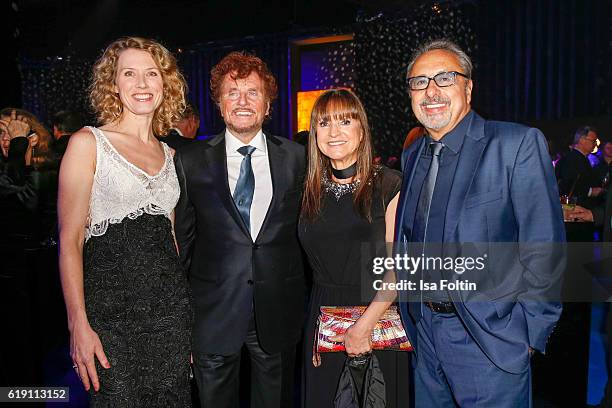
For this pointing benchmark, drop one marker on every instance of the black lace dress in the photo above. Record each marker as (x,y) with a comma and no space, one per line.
(336,244)
(136,292)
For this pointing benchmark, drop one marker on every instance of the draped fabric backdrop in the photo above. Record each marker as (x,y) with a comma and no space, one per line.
(534,60)
(197,61)
(545,59)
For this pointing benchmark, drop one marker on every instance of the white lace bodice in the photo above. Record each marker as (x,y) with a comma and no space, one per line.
(122,190)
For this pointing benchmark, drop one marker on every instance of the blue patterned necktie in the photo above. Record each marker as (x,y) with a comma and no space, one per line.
(245,186)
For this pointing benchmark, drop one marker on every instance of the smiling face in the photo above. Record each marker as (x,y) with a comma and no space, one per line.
(243,105)
(138,82)
(440,109)
(338,137)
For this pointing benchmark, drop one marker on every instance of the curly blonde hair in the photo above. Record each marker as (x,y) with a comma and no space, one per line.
(106,103)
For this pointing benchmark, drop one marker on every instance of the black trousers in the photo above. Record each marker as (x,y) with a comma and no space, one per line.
(272,376)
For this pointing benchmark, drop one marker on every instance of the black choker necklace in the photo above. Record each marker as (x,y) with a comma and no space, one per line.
(347,173)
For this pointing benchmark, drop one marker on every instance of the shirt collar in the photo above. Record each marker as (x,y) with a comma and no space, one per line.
(177,130)
(578,150)
(232,144)
(454,139)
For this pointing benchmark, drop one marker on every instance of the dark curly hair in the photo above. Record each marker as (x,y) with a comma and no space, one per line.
(240,65)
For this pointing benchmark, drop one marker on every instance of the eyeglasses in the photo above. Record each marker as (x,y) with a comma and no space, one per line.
(594,141)
(443,79)
(251,94)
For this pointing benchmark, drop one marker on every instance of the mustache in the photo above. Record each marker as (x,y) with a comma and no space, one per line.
(435,99)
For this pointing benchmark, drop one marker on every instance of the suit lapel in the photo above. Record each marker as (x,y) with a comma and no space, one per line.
(218,167)
(278,176)
(471,152)
(409,170)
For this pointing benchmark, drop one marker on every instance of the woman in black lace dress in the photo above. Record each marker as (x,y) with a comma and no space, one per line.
(349,206)
(126,294)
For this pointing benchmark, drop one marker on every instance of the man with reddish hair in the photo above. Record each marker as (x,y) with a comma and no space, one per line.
(236,228)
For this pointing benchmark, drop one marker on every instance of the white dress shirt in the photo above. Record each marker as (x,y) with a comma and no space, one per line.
(261,170)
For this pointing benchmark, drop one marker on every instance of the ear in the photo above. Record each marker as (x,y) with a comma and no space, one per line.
(267,108)
(468,91)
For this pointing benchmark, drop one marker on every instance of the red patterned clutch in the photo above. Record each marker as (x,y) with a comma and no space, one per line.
(388,334)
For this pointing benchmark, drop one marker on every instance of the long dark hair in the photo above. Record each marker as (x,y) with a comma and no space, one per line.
(338,104)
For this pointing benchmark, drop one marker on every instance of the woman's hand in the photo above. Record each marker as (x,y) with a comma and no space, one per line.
(84,345)
(33,140)
(357,339)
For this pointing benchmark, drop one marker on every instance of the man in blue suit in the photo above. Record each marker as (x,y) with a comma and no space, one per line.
(477,187)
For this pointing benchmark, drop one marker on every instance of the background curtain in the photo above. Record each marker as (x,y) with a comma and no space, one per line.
(536,61)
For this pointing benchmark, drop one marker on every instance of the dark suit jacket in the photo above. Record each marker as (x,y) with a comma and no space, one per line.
(603,214)
(229,273)
(575,174)
(503,191)
(174,140)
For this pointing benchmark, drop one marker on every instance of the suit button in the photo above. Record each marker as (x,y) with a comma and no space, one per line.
(255,246)
(250,282)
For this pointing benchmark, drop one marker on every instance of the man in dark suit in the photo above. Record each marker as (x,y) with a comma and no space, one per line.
(470,185)
(601,216)
(185,131)
(574,173)
(236,228)
(65,123)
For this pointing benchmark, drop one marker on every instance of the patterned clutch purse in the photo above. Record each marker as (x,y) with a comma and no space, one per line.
(388,334)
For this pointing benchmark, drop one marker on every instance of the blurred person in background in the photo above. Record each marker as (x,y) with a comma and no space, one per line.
(19,232)
(41,166)
(38,153)
(185,130)
(603,169)
(64,124)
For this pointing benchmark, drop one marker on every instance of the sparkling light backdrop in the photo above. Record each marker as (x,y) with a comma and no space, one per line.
(54,84)
(335,69)
(383,46)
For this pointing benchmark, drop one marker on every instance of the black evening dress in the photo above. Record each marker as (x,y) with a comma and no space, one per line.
(336,244)
(136,292)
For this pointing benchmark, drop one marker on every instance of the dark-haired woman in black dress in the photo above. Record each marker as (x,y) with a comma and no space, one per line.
(349,205)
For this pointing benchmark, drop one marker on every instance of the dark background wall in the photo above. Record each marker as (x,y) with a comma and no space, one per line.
(543,62)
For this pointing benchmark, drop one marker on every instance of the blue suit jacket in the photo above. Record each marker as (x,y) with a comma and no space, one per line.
(503,191)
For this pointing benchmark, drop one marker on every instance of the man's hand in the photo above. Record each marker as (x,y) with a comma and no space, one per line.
(580,214)
(596,191)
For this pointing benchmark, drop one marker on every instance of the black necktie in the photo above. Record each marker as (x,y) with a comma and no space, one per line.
(245,186)
(419,232)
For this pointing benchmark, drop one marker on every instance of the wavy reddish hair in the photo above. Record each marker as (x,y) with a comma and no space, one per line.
(239,65)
